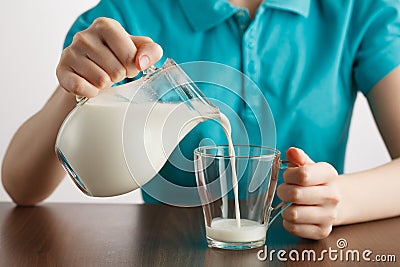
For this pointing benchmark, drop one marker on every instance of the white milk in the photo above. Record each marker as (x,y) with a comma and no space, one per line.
(226,125)
(234,230)
(226,230)
(93,142)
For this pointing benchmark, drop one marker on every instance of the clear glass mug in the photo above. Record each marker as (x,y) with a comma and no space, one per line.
(117,141)
(257,169)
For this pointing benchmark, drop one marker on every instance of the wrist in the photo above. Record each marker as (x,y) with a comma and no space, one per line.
(344,207)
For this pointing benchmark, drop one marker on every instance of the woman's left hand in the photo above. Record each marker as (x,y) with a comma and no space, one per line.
(312,189)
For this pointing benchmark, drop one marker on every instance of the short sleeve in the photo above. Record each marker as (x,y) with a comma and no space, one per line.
(379,50)
(105,8)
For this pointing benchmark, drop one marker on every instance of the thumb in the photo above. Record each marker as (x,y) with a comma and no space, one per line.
(298,156)
(148,52)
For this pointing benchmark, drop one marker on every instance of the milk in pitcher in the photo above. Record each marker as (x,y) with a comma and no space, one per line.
(94,145)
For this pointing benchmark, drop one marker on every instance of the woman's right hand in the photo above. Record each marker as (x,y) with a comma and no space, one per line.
(104,54)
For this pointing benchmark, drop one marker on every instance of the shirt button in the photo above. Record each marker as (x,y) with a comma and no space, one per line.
(251,44)
(240,13)
(243,19)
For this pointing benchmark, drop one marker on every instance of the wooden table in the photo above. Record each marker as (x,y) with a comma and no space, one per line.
(161,235)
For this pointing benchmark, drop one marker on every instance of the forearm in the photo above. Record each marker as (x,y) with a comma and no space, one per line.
(30,170)
(369,195)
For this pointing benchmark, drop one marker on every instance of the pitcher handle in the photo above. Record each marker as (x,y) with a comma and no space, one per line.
(282,206)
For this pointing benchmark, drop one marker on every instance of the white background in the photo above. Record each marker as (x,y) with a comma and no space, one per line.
(32,36)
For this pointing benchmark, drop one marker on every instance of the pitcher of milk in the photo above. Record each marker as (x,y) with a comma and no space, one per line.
(119,140)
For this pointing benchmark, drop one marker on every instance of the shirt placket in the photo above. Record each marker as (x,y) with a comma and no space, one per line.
(254,111)
(250,60)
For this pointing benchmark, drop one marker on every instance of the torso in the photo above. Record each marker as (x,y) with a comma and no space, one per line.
(301,59)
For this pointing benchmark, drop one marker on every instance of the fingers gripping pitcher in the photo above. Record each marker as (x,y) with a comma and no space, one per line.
(119,140)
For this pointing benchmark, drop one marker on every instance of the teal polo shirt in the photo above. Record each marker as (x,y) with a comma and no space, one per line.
(308,57)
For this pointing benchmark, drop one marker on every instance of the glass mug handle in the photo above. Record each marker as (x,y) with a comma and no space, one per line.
(276,211)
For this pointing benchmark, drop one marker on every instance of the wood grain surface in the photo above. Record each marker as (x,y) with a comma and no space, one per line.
(160,235)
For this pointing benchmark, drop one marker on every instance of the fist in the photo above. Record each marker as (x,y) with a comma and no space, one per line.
(104,54)
(312,190)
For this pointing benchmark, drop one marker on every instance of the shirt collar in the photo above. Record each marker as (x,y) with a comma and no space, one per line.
(301,7)
(205,14)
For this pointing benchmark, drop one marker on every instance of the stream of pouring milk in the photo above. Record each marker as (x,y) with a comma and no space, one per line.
(226,125)
(234,230)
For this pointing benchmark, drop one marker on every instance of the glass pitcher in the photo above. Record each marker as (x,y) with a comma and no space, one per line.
(119,140)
